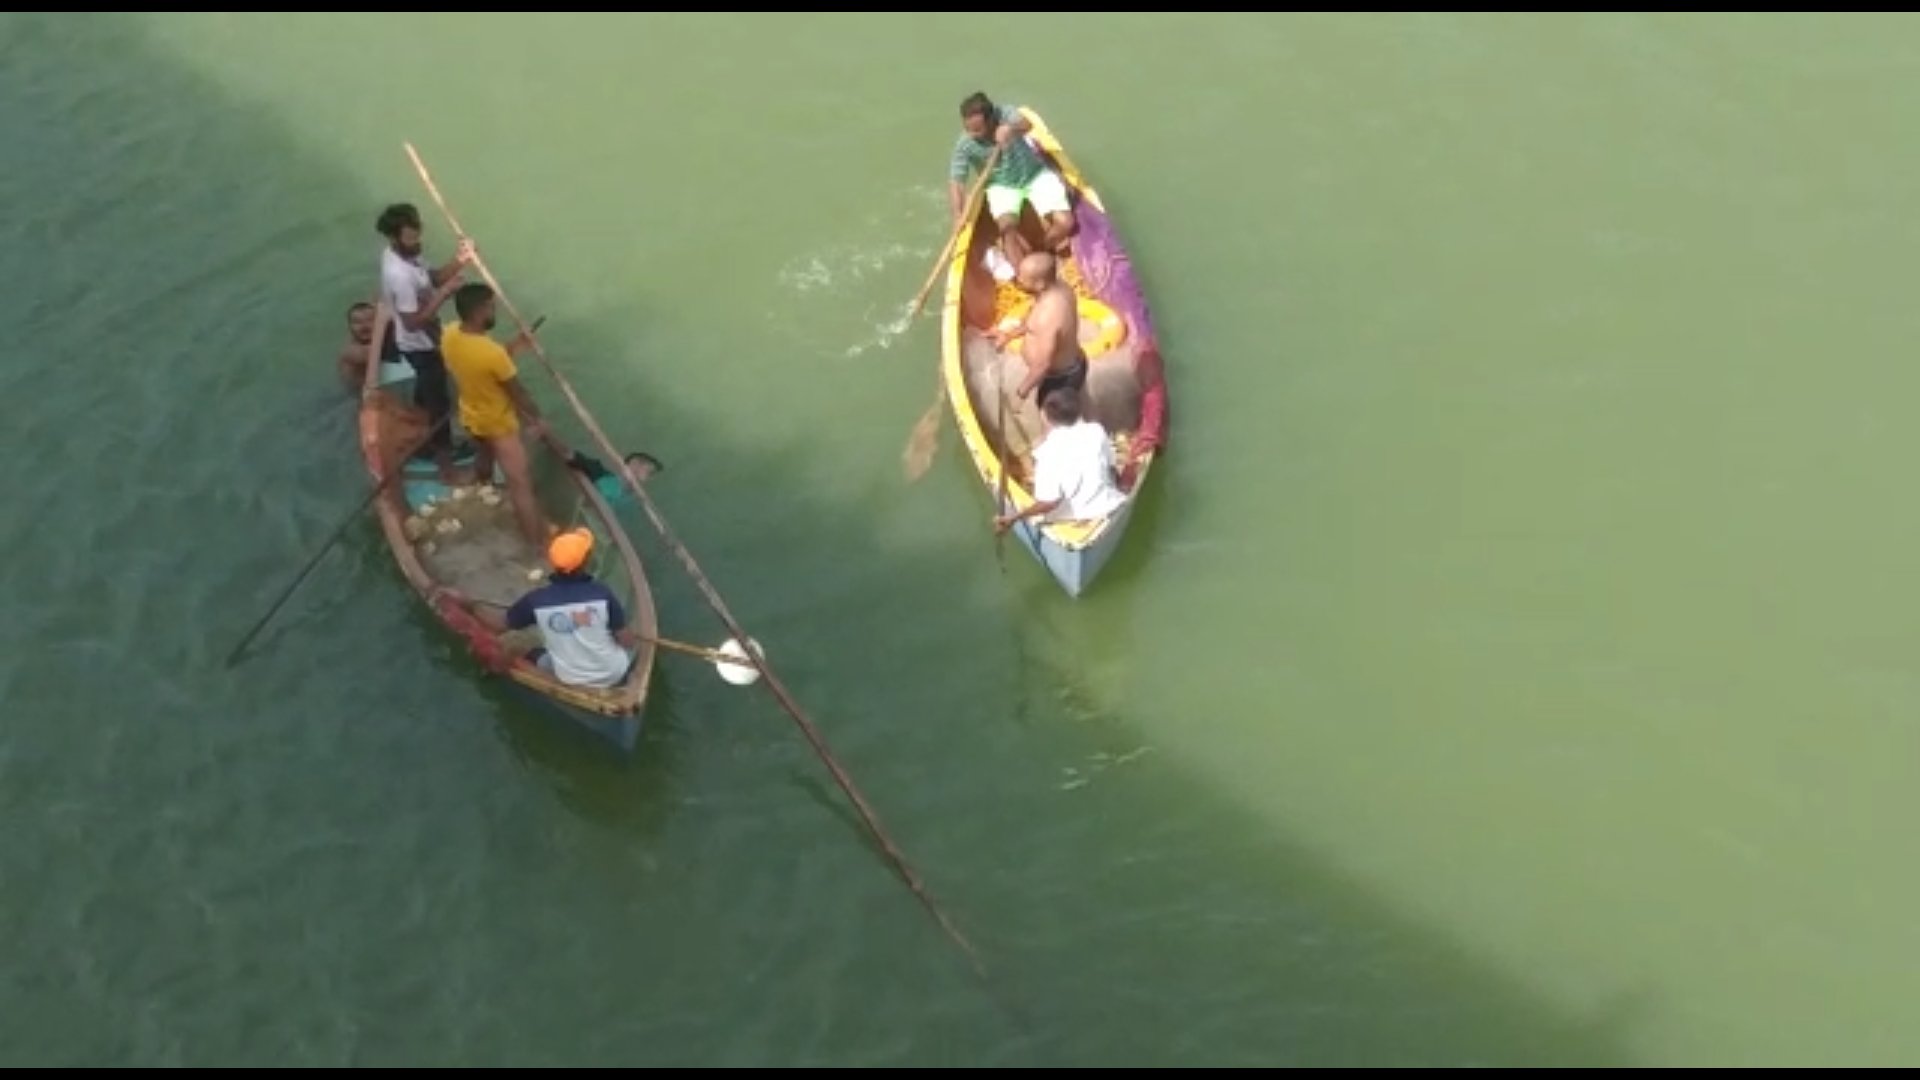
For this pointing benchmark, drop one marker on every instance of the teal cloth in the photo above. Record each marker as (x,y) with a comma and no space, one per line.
(612,490)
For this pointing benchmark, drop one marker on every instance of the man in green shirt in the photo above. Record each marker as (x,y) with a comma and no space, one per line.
(1019,177)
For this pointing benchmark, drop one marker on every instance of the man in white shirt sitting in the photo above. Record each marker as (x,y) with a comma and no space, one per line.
(1073,467)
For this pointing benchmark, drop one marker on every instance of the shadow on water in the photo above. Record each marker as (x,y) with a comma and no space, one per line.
(316,860)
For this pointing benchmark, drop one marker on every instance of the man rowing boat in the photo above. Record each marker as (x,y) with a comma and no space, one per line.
(1019,177)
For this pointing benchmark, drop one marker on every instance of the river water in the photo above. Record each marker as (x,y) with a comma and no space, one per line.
(1514,666)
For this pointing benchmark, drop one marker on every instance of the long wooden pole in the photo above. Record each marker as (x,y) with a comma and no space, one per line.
(1006,458)
(780,692)
(339,531)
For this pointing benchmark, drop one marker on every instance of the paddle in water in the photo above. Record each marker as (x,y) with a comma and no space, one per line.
(926,431)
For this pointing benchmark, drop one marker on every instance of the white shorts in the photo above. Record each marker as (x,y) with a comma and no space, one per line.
(1046,191)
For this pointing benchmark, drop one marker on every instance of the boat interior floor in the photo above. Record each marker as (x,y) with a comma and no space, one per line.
(484,555)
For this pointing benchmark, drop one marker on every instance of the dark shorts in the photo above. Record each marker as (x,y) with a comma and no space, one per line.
(432,394)
(1074,378)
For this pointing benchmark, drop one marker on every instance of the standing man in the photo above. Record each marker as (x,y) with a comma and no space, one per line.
(1019,177)
(415,294)
(492,401)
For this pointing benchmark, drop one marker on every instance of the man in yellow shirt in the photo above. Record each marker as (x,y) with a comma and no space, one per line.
(492,401)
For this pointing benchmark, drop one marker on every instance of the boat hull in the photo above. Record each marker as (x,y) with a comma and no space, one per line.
(1072,568)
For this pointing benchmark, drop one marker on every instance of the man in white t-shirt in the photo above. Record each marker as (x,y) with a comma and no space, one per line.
(1073,467)
(415,293)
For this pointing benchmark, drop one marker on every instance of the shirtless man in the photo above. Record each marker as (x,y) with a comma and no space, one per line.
(1052,331)
(352,362)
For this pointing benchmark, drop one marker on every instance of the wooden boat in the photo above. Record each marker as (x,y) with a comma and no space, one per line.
(487,559)
(1126,389)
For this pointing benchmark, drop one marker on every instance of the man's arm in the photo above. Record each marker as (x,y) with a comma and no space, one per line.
(1005,521)
(422,314)
(462,255)
(523,403)
(520,342)
(959,167)
(623,632)
(1047,495)
(503,369)
(520,615)
(1012,124)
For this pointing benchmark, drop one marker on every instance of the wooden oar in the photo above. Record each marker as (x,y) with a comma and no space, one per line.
(974,196)
(714,656)
(926,431)
(710,655)
(1006,455)
(780,692)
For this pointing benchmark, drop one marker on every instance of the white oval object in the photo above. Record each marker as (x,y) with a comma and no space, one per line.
(738,674)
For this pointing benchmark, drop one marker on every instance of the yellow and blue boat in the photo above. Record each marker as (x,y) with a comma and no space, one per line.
(1126,387)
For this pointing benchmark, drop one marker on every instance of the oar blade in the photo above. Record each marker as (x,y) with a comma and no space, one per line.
(918,455)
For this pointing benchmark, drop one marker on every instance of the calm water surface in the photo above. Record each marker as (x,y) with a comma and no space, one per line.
(1515,666)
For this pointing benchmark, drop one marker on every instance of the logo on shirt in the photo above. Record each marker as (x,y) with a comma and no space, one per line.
(571,620)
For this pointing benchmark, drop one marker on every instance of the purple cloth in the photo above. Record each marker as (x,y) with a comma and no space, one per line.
(1108,273)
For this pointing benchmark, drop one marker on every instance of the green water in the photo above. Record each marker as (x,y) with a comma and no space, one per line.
(1514,666)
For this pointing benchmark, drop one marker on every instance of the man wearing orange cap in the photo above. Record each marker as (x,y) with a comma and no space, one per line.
(588,641)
